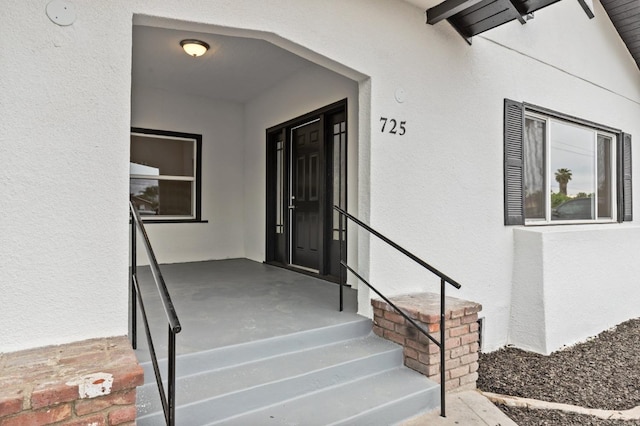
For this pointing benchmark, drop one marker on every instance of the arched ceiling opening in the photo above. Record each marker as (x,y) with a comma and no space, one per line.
(234,68)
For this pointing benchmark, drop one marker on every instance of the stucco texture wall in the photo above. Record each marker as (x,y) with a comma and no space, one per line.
(438,189)
(221,126)
(572,282)
(63,179)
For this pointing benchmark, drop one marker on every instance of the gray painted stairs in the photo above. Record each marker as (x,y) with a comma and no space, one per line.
(336,375)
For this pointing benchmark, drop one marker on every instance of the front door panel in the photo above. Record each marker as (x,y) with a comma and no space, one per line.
(305,204)
(306,176)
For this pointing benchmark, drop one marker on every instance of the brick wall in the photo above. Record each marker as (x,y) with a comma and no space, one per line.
(92,382)
(422,355)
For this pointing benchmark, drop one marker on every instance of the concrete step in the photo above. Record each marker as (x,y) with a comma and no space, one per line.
(228,356)
(228,392)
(383,399)
(218,385)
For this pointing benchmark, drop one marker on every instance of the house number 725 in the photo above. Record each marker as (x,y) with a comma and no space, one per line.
(392,126)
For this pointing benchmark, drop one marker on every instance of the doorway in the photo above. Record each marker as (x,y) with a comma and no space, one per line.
(306,177)
(305,207)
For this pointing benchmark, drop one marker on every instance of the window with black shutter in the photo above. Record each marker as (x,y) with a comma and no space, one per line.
(563,170)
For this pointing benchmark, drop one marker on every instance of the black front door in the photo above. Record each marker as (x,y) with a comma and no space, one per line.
(305,210)
(306,176)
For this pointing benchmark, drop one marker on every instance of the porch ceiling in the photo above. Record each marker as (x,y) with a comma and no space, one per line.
(234,69)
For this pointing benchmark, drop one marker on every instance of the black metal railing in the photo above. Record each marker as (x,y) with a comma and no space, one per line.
(444,279)
(168,396)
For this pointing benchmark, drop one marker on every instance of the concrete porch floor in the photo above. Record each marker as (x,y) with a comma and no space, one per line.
(227,302)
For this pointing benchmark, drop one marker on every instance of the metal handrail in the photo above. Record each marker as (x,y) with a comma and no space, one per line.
(167,398)
(444,279)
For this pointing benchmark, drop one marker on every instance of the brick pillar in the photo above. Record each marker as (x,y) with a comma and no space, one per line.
(92,382)
(422,355)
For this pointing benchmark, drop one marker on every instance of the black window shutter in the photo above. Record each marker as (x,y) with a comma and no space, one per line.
(513,163)
(626,209)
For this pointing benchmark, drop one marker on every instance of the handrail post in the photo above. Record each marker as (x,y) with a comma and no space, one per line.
(172,377)
(133,297)
(342,271)
(168,398)
(442,346)
(443,281)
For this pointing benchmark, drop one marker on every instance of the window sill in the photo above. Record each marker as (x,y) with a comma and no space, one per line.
(576,227)
(148,222)
(571,223)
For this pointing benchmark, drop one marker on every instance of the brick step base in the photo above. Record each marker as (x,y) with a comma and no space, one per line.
(92,382)
(420,354)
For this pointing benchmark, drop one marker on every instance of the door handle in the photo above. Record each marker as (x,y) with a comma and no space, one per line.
(292,207)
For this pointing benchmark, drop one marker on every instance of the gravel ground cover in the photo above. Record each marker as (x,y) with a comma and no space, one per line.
(603,372)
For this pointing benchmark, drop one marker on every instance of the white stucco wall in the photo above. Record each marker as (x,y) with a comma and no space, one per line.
(221,126)
(449,208)
(63,138)
(438,190)
(571,282)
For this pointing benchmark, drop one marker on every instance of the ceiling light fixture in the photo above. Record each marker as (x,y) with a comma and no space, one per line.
(194,48)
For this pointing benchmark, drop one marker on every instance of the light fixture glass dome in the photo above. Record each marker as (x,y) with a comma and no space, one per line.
(194,47)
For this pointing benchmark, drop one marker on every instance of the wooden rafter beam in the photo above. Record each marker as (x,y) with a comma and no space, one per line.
(519,16)
(587,6)
(447,9)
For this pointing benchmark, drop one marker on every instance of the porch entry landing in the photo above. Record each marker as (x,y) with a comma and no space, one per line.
(265,345)
(228,302)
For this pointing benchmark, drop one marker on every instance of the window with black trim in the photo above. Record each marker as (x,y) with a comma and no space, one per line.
(164,174)
(561,170)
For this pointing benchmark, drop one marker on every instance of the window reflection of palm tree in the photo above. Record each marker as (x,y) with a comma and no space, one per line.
(563,176)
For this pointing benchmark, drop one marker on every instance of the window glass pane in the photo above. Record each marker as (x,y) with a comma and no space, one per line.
(141,169)
(151,155)
(604,177)
(161,197)
(534,168)
(144,196)
(572,170)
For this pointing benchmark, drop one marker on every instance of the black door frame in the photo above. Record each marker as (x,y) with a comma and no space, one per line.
(279,244)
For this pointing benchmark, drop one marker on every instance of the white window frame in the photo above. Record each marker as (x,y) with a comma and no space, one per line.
(549,173)
(195,190)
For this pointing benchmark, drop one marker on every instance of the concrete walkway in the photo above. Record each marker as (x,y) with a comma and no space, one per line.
(466,408)
(516,401)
